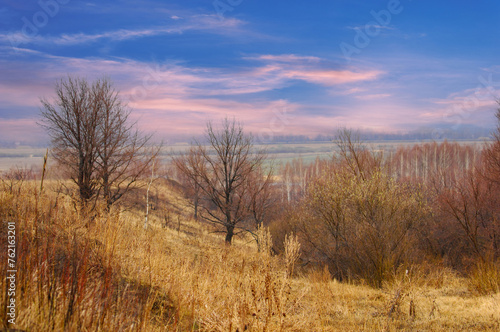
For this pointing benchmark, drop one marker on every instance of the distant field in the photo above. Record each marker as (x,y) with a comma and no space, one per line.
(21,156)
(283,152)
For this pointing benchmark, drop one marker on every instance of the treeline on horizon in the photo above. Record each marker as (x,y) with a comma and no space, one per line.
(463,132)
(438,133)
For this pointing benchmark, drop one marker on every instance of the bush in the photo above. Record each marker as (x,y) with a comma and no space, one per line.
(362,227)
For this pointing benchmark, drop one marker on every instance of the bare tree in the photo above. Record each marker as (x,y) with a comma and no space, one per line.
(261,198)
(221,171)
(93,138)
(189,178)
(72,121)
(355,155)
(362,226)
(261,201)
(13,179)
(123,152)
(468,202)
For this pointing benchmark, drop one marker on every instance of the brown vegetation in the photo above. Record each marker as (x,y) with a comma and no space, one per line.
(114,275)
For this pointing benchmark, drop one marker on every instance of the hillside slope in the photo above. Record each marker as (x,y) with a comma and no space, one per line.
(107,272)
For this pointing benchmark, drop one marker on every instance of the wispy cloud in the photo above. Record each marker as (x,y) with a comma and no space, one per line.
(471,106)
(285,58)
(374,96)
(205,23)
(371,26)
(312,69)
(332,77)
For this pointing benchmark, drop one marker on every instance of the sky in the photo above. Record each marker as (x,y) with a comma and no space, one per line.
(278,67)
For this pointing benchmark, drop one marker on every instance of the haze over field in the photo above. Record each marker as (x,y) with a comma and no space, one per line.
(279,67)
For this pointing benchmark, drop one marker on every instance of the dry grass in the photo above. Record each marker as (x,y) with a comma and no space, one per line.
(111,274)
(485,277)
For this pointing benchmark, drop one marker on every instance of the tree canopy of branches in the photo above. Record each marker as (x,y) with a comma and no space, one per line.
(94,140)
(355,217)
(472,200)
(229,175)
(354,154)
(363,217)
(363,226)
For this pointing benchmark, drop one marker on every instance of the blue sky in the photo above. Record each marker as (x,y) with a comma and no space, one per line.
(280,67)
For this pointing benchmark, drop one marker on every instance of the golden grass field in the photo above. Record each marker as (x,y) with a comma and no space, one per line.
(112,274)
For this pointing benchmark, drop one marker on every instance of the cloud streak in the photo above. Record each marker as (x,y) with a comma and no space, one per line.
(204,23)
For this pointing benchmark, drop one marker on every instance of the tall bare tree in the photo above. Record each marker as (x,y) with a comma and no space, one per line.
(189,178)
(94,139)
(71,120)
(124,154)
(221,171)
(261,197)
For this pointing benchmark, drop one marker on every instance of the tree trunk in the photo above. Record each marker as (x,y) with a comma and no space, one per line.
(229,234)
(196,206)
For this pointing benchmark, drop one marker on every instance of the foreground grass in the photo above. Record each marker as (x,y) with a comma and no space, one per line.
(108,273)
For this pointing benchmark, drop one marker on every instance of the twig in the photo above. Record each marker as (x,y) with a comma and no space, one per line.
(147,194)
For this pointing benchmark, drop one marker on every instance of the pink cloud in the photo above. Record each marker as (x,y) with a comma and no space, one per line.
(311,69)
(27,96)
(332,77)
(190,115)
(21,130)
(352,91)
(465,106)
